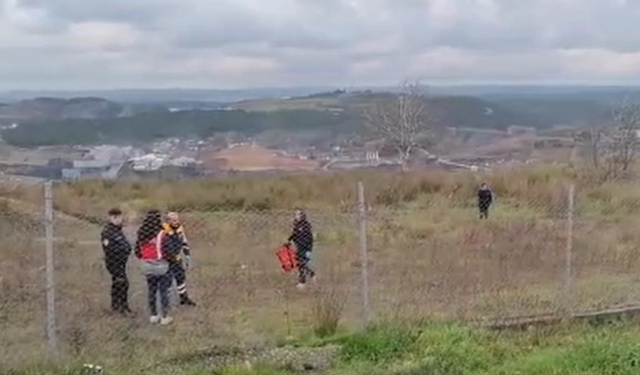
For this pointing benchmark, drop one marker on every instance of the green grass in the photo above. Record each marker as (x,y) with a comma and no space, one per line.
(459,350)
(449,349)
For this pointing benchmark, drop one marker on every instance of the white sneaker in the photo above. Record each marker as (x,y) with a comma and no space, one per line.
(155,319)
(166,320)
(301,286)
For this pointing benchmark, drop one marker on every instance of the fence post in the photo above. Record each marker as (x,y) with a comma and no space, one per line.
(568,271)
(364,258)
(52,339)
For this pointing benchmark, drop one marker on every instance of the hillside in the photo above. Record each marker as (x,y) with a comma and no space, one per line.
(162,95)
(45,108)
(489,112)
(561,111)
(233,95)
(159,125)
(469,112)
(47,121)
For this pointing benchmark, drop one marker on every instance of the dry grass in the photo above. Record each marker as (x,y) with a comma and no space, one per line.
(428,256)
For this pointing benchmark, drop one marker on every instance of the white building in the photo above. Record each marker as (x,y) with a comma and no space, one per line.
(182,161)
(148,162)
(372,156)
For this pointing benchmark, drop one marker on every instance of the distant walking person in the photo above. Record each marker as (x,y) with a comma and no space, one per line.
(154,248)
(302,237)
(117,251)
(178,265)
(485,199)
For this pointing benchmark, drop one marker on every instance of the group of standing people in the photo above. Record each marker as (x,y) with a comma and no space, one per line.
(163,250)
(164,254)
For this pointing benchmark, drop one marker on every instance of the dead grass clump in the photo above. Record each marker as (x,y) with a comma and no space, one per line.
(328,309)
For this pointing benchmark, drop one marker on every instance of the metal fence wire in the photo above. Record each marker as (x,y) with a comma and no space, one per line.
(435,259)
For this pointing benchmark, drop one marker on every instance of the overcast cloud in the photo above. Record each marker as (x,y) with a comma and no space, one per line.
(88,44)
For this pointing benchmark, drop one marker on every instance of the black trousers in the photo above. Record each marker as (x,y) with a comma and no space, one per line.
(177,272)
(484,212)
(304,269)
(119,285)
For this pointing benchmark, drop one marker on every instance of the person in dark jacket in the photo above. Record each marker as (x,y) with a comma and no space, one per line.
(485,199)
(302,237)
(178,265)
(154,248)
(117,251)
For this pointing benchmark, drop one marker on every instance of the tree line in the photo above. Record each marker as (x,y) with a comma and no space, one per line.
(161,125)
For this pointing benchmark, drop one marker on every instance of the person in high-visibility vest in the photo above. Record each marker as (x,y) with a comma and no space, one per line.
(179,264)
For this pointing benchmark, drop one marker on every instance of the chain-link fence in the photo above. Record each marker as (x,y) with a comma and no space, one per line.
(22,281)
(435,257)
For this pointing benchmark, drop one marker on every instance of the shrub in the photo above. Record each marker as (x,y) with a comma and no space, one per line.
(327,311)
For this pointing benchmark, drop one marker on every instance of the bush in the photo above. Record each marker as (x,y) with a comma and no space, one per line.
(327,312)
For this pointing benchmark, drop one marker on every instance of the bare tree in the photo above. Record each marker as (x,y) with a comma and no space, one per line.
(587,148)
(625,142)
(403,120)
(609,152)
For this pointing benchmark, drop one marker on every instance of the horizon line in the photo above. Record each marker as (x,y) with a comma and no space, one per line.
(345,87)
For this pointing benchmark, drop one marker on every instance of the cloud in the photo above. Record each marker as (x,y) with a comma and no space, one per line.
(241,43)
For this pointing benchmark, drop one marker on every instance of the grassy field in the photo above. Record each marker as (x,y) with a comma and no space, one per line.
(429,257)
(423,349)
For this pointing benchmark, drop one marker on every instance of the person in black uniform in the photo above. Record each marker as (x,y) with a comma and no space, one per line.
(302,237)
(485,199)
(117,251)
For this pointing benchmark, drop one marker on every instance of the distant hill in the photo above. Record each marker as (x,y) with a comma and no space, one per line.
(161,125)
(326,114)
(469,112)
(458,111)
(334,114)
(162,95)
(496,111)
(234,95)
(561,111)
(46,108)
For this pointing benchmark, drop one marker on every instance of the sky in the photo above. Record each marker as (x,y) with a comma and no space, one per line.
(90,44)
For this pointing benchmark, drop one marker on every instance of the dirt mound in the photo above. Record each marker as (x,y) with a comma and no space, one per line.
(256,158)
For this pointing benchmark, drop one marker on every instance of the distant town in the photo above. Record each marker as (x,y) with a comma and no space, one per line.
(93,138)
(178,158)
